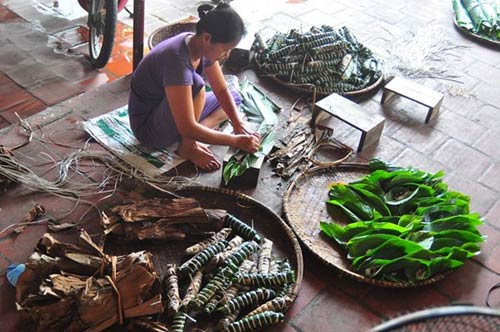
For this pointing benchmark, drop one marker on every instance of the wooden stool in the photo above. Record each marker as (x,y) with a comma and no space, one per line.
(413,91)
(356,116)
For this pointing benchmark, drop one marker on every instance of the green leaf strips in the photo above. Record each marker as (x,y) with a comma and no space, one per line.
(405,226)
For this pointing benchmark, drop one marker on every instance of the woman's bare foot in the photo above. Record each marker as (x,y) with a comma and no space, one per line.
(199,154)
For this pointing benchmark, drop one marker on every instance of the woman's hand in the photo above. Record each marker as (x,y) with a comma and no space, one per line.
(240,129)
(247,142)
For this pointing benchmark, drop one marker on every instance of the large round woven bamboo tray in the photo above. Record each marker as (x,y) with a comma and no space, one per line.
(304,206)
(309,88)
(476,36)
(187,24)
(247,209)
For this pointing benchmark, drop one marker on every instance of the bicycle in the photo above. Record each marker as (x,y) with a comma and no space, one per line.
(101,21)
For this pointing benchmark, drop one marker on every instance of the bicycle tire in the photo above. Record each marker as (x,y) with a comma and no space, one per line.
(102,28)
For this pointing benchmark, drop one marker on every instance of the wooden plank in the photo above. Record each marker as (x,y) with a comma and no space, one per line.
(372,136)
(349,112)
(414,91)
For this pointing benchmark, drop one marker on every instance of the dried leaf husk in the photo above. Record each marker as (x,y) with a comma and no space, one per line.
(292,150)
(68,287)
(169,209)
(5,153)
(172,289)
(145,325)
(161,219)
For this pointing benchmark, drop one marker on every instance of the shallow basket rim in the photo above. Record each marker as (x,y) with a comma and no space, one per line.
(309,88)
(169,28)
(475,36)
(289,233)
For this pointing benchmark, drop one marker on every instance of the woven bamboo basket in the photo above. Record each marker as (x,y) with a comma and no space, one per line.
(187,24)
(304,207)
(245,208)
(311,88)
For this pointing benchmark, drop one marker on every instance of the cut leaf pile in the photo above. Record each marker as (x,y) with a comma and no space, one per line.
(405,225)
(481,17)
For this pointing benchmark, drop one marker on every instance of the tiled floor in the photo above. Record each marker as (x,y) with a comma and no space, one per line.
(43,53)
(462,140)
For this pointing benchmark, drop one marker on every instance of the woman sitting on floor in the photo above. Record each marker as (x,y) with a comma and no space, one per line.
(168,102)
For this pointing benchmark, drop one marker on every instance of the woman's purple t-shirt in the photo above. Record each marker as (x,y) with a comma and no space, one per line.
(166,65)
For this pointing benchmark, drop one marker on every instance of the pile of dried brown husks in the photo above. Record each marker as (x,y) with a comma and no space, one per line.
(293,150)
(4,154)
(162,219)
(68,287)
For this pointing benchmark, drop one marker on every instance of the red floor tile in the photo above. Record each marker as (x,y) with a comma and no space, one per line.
(16,251)
(11,321)
(95,81)
(32,74)
(3,261)
(56,91)
(490,249)
(11,94)
(4,79)
(119,65)
(334,311)
(25,109)
(76,70)
(493,215)
(3,123)
(7,15)
(395,302)
(469,284)
(310,288)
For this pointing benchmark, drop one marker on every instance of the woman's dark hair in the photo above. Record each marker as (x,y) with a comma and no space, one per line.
(222,22)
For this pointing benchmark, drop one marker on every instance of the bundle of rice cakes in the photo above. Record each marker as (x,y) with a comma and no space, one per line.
(331,60)
(231,278)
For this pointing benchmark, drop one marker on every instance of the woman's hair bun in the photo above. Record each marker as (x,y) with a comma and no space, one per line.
(203,10)
(222,22)
(223,5)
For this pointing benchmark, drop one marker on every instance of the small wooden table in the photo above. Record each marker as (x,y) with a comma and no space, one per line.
(416,92)
(369,124)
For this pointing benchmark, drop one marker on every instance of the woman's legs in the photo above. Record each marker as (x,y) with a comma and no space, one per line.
(190,149)
(157,129)
(213,115)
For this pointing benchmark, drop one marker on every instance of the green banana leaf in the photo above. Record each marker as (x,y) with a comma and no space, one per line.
(236,168)
(461,222)
(359,245)
(344,234)
(374,200)
(462,16)
(349,201)
(258,110)
(405,224)
(442,210)
(480,14)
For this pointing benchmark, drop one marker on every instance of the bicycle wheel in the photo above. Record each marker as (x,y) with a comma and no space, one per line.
(102,26)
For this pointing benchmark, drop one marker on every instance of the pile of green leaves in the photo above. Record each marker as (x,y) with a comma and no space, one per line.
(479,16)
(331,59)
(260,111)
(405,226)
